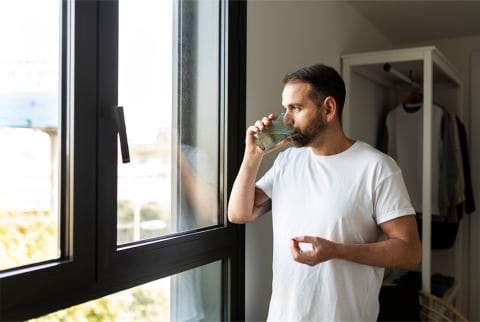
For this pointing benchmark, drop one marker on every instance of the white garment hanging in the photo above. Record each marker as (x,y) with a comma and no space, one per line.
(405,145)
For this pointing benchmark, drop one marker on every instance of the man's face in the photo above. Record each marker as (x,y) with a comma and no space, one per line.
(302,113)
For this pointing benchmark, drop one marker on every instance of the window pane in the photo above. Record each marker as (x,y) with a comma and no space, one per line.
(169,88)
(194,295)
(29,119)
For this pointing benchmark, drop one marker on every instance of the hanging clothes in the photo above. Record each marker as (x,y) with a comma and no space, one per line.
(451,184)
(404,142)
(469,205)
(458,196)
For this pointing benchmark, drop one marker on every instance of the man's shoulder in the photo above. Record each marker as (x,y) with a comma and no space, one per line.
(367,149)
(371,154)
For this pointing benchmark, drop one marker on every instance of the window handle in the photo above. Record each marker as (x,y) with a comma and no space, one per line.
(122,133)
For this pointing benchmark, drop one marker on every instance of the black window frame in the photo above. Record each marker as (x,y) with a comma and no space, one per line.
(91,266)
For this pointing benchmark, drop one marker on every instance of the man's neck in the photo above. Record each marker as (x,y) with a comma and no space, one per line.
(332,143)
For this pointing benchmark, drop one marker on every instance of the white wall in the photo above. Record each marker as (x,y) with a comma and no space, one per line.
(283,36)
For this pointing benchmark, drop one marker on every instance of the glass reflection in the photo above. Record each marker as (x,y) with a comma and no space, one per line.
(169,88)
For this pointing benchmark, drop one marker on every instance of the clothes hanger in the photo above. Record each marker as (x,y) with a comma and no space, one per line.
(414,101)
(414,97)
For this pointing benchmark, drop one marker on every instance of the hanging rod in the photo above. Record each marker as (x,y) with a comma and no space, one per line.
(388,68)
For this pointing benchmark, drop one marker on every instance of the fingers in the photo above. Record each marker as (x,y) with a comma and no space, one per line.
(312,251)
(260,125)
(252,130)
(307,247)
(264,122)
(305,239)
(295,245)
(295,249)
(300,256)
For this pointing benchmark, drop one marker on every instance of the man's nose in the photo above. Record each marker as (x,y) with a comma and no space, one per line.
(287,117)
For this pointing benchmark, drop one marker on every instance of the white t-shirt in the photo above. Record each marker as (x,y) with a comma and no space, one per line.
(342,198)
(405,145)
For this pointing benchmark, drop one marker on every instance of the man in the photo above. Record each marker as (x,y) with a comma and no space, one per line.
(340,209)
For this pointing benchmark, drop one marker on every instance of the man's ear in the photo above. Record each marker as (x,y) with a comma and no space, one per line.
(330,108)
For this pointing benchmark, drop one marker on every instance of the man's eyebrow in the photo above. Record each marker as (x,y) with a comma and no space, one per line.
(295,105)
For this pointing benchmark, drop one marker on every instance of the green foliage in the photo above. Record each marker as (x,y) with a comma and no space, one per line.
(31,236)
(151,211)
(149,302)
(124,211)
(27,237)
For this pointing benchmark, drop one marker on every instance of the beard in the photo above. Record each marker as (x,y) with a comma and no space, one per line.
(305,137)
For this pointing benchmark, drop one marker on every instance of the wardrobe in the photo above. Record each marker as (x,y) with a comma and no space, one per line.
(376,82)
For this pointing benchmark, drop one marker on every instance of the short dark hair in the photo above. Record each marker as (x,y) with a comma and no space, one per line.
(324,80)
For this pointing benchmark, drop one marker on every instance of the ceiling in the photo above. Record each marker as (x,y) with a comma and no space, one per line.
(422,20)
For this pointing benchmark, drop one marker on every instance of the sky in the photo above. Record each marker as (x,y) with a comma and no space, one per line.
(30,58)
(30,34)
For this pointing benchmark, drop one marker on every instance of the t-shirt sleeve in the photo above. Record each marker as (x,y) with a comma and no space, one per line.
(392,199)
(265,183)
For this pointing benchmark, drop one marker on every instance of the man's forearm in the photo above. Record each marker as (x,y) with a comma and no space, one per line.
(391,253)
(401,249)
(242,196)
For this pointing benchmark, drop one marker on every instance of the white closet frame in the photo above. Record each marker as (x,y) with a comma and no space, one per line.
(434,63)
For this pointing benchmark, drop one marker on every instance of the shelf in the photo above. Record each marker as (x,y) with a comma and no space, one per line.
(426,66)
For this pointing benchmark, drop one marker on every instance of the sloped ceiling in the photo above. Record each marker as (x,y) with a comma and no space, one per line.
(411,21)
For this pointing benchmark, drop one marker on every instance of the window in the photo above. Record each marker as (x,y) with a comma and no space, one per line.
(174,73)
(193,295)
(29,128)
(170,184)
